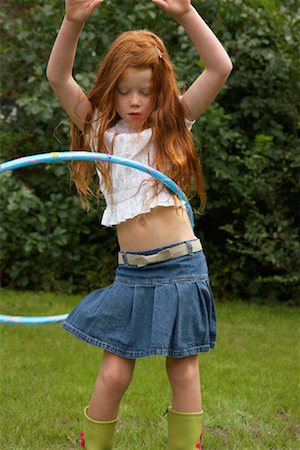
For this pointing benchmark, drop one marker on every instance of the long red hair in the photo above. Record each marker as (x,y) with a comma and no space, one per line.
(175,153)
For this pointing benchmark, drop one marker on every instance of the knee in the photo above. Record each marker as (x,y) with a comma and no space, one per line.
(114,378)
(183,373)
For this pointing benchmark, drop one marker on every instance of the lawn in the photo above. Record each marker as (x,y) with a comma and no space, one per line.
(250,382)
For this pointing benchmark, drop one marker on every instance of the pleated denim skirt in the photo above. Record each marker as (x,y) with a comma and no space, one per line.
(166,309)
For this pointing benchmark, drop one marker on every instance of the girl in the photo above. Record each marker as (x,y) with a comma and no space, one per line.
(160,302)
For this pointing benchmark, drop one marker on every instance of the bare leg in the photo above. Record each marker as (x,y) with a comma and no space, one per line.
(184,377)
(113,379)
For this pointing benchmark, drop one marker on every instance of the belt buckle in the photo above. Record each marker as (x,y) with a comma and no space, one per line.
(165,254)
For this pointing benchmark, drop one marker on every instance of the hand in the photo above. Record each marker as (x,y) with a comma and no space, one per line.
(176,8)
(81,10)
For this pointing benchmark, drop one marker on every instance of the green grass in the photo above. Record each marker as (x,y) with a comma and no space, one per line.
(250,382)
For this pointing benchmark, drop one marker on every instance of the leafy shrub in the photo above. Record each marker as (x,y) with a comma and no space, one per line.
(50,244)
(249,140)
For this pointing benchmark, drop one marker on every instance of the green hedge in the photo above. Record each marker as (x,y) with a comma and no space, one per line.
(50,243)
(248,140)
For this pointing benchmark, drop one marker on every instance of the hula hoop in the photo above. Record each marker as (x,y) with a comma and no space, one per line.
(32,320)
(54,157)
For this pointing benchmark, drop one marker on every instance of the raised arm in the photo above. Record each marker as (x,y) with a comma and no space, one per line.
(61,61)
(216,61)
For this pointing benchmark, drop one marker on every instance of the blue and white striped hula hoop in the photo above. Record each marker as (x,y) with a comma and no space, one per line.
(54,157)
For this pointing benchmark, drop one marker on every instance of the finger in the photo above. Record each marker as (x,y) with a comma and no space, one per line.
(161,4)
(92,5)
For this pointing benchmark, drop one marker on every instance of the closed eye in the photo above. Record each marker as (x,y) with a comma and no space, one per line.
(123,91)
(146,93)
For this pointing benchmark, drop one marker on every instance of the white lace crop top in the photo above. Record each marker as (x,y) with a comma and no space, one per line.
(131,194)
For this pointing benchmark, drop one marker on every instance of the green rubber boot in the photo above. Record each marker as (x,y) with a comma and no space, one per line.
(97,435)
(184,430)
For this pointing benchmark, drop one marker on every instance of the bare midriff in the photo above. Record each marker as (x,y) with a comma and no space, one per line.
(161,227)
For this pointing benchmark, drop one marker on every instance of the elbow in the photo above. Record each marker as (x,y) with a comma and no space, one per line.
(230,66)
(221,71)
(49,75)
(53,79)
(49,70)
(224,71)
(226,68)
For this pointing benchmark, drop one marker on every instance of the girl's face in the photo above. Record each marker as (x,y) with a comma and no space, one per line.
(134,95)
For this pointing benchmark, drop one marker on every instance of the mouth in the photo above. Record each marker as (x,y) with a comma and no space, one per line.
(135,115)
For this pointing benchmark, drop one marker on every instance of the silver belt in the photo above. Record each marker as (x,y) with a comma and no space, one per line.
(138,260)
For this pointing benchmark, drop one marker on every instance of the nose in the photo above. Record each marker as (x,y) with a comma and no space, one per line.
(135,99)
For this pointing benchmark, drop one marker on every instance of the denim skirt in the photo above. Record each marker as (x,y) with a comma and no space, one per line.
(165,308)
